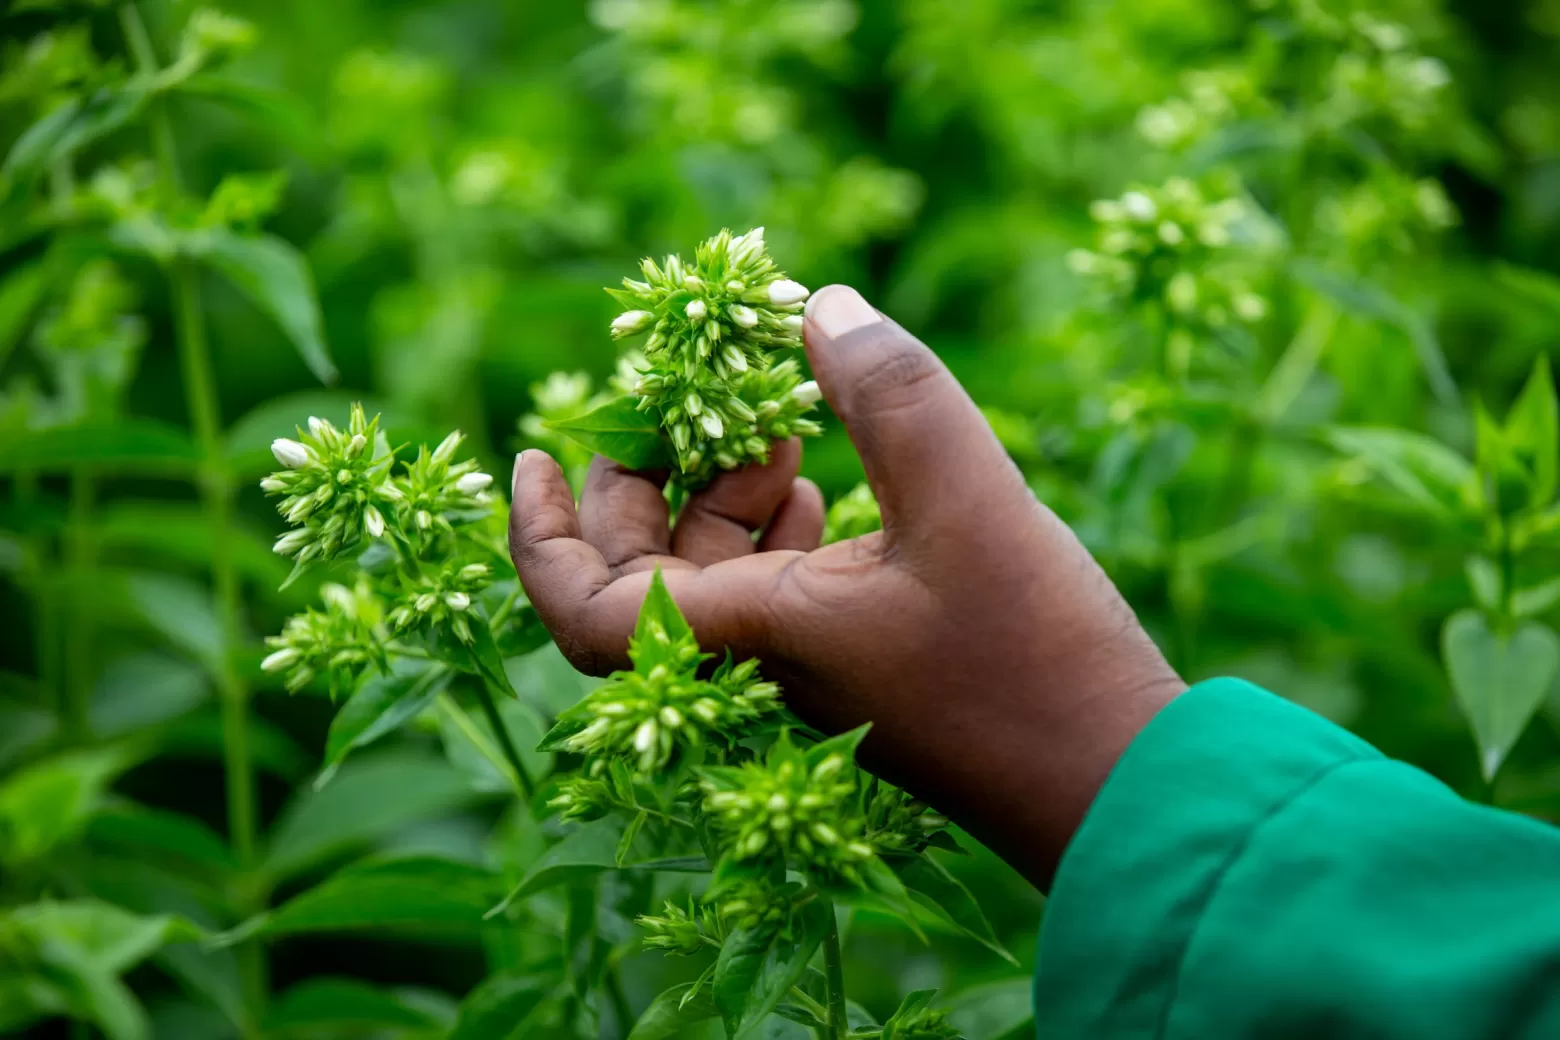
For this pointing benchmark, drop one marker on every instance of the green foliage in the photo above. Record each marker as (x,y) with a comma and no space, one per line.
(1258,296)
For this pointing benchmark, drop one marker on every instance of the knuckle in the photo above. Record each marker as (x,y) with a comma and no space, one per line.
(899,376)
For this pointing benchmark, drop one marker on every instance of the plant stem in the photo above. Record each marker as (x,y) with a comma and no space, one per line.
(485,691)
(834,981)
(217,499)
(620,1010)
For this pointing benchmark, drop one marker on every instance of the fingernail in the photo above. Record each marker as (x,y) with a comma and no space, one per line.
(514,476)
(838,309)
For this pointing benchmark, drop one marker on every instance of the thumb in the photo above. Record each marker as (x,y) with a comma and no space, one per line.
(930,455)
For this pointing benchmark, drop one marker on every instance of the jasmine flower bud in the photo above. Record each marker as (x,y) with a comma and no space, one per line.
(786,293)
(746,317)
(793,323)
(1139,206)
(281,660)
(807,394)
(374,522)
(446,449)
(290,453)
(474,572)
(473,483)
(712,425)
(458,601)
(630,322)
(696,310)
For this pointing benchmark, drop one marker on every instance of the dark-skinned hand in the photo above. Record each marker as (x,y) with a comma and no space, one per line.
(1003,673)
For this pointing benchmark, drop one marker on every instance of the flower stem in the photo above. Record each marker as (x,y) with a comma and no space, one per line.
(485,691)
(834,981)
(216,492)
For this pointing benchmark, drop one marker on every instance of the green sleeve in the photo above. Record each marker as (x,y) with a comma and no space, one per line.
(1251,870)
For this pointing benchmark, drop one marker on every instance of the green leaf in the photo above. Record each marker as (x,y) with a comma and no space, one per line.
(498,1008)
(756,969)
(281,111)
(995,1010)
(158,832)
(1536,600)
(1500,680)
(584,852)
(379,706)
(421,893)
(66,129)
(908,1011)
(932,886)
(131,446)
(461,730)
(330,1007)
(183,612)
(671,1013)
(371,797)
(20,293)
(1485,581)
(1429,473)
(1532,432)
(49,802)
(143,690)
(621,432)
(276,279)
(843,744)
(625,846)
(659,607)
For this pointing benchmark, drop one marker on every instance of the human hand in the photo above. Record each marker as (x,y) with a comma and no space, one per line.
(1002,672)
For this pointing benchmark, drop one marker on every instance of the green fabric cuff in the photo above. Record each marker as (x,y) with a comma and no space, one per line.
(1172,817)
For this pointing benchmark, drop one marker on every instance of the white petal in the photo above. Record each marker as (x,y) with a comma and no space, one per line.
(474,483)
(290,453)
(786,292)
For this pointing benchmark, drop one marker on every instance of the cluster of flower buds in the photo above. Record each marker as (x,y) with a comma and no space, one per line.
(442,599)
(796,807)
(1211,100)
(708,368)
(437,492)
(662,707)
(335,487)
(338,641)
(897,822)
(1165,244)
(1382,75)
(1389,213)
(682,932)
(852,515)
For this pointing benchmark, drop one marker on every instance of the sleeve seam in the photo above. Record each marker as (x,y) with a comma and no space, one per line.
(1235,854)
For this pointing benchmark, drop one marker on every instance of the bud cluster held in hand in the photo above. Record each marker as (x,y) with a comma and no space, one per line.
(707,367)
(428,539)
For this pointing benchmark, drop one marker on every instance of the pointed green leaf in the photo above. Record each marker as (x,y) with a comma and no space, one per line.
(49,802)
(932,886)
(756,969)
(1533,432)
(1500,680)
(674,1012)
(379,706)
(1429,473)
(1536,600)
(276,279)
(421,893)
(342,1007)
(908,1011)
(661,608)
(498,1008)
(585,851)
(621,432)
(625,846)
(67,129)
(130,446)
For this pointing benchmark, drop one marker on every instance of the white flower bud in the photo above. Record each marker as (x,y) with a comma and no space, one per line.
(318,426)
(458,601)
(630,322)
(374,521)
(273,485)
(793,324)
(281,660)
(474,572)
(746,317)
(807,394)
(734,358)
(446,449)
(644,736)
(356,445)
(696,310)
(473,483)
(735,287)
(671,717)
(712,425)
(1170,233)
(426,602)
(1139,206)
(424,519)
(292,541)
(290,453)
(785,292)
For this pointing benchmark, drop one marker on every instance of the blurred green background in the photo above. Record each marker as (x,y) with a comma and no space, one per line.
(464,176)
